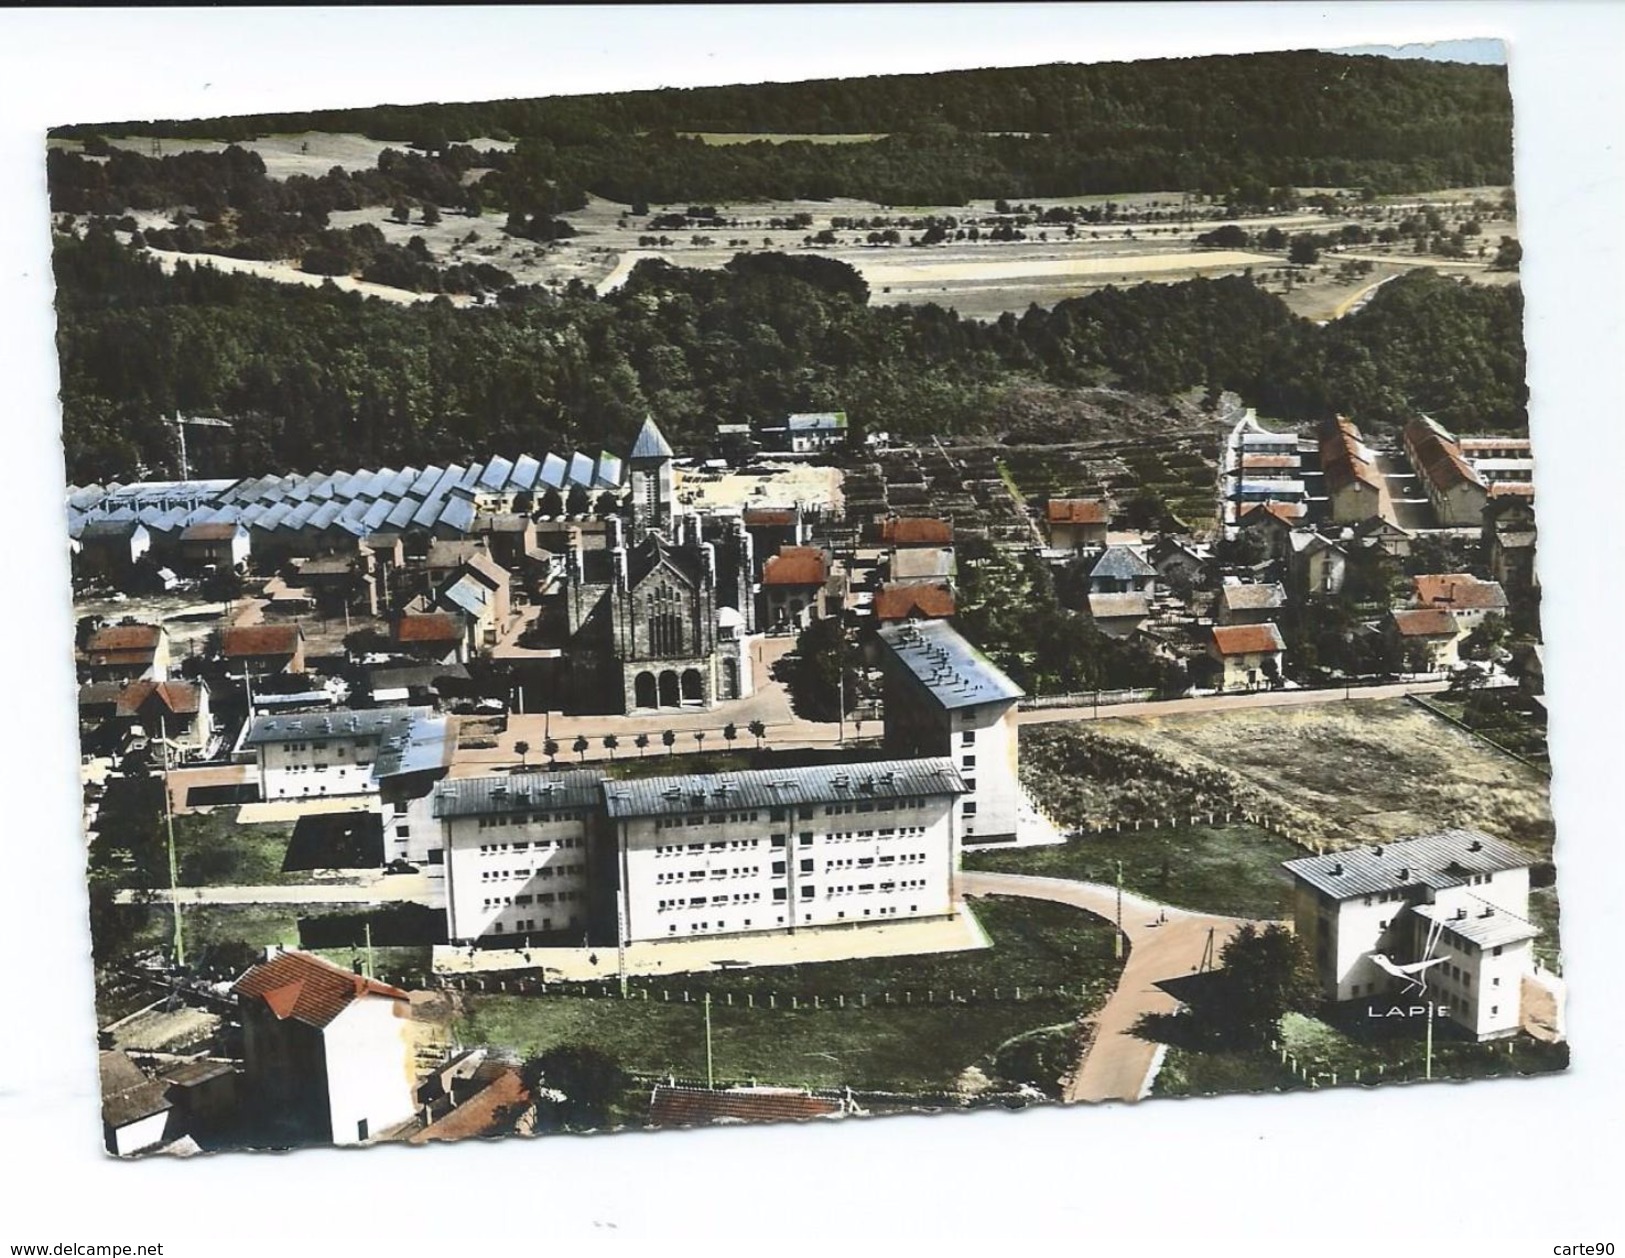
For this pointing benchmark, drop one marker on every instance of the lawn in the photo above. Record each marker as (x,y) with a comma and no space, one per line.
(1230,869)
(214,850)
(873,1045)
(1319,1050)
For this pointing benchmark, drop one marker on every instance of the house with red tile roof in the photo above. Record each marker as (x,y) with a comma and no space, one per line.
(180,709)
(1468,598)
(1075,523)
(1250,656)
(793,583)
(126,652)
(1458,493)
(913,602)
(441,637)
(1427,638)
(263,650)
(328,1055)
(916,531)
(1356,489)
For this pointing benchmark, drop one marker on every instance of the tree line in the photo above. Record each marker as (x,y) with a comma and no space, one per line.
(314,377)
(1207,124)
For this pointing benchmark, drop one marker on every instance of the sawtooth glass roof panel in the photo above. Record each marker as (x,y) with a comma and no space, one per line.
(580,470)
(554,470)
(495,475)
(525,471)
(459,514)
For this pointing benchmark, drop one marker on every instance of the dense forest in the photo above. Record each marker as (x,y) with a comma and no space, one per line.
(1207,124)
(313,377)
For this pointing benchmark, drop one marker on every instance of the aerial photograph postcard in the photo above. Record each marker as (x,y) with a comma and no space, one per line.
(805,601)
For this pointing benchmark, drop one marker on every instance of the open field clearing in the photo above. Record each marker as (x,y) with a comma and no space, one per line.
(725,138)
(1351,772)
(879,1045)
(312,153)
(991,270)
(980,279)
(289,273)
(764,485)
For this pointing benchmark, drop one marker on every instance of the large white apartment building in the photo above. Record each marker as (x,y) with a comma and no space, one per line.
(945,698)
(516,852)
(343,752)
(748,852)
(784,849)
(1445,915)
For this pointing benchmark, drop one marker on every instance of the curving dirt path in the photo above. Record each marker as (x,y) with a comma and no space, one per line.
(1164,943)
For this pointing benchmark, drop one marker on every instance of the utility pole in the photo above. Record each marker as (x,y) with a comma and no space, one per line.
(1117,940)
(174,868)
(620,939)
(710,1076)
(1427,1066)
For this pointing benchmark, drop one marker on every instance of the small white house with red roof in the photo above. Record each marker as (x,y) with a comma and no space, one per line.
(328,1054)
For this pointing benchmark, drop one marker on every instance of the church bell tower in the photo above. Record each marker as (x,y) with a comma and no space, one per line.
(654,498)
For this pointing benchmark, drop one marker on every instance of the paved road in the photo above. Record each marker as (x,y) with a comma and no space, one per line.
(1118,1064)
(367,888)
(1228,703)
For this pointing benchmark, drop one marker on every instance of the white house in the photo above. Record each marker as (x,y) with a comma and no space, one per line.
(1249,656)
(328,1055)
(785,849)
(135,1111)
(1440,918)
(343,752)
(943,697)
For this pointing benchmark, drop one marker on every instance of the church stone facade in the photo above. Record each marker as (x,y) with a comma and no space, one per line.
(658,618)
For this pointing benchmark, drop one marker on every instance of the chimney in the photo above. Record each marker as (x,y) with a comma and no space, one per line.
(709,551)
(1377,850)
(619,556)
(1337,870)
(617,535)
(1475,846)
(1404,873)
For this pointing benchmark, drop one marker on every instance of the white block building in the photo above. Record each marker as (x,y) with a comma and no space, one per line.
(516,852)
(945,698)
(785,849)
(1458,900)
(342,752)
(750,852)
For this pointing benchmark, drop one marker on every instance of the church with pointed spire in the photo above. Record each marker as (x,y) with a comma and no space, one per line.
(658,615)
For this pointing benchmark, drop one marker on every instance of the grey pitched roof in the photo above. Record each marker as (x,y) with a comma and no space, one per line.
(1444,859)
(1121,563)
(517,792)
(322,726)
(954,671)
(1489,926)
(769,788)
(1252,597)
(651,443)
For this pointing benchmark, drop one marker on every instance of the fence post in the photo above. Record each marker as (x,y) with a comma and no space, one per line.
(750,1000)
(772,1001)
(794,1003)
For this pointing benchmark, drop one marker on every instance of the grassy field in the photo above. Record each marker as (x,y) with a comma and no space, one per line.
(214,850)
(1230,869)
(896,1046)
(1321,1050)
(1342,773)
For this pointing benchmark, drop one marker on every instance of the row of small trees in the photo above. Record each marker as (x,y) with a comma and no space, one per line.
(642,741)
